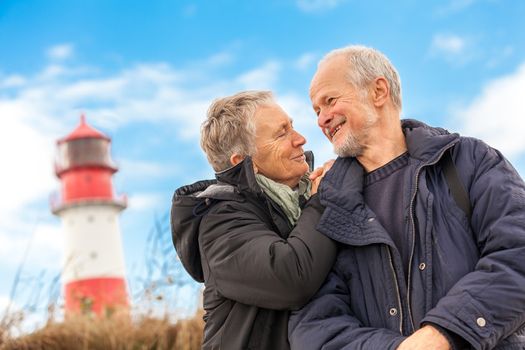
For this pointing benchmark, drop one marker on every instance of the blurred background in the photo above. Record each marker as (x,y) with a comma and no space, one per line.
(144,73)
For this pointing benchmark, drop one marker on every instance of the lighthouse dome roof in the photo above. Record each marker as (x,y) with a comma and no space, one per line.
(82,131)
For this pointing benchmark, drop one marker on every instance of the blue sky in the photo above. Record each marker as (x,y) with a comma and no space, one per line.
(144,73)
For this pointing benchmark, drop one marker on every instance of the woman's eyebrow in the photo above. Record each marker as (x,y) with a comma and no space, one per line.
(280,127)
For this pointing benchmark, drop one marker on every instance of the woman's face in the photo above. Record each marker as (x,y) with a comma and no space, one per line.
(280,154)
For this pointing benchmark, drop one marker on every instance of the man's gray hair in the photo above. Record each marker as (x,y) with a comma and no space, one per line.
(230,127)
(366,64)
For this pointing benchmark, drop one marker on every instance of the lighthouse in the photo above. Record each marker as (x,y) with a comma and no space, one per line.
(93,274)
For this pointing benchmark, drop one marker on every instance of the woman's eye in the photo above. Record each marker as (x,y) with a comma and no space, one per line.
(283,133)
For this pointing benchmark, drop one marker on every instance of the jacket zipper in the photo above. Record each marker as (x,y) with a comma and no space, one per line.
(399,305)
(411,211)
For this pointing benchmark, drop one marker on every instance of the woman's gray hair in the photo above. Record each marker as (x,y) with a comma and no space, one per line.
(230,127)
(366,64)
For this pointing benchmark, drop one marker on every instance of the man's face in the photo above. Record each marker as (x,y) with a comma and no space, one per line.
(344,113)
(280,155)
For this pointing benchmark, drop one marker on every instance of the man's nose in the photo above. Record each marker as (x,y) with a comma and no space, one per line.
(324,119)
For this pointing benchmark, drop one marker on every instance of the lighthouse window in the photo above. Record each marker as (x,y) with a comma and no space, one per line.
(83,152)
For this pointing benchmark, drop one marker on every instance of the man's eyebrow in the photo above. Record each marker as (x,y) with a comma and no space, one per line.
(316,98)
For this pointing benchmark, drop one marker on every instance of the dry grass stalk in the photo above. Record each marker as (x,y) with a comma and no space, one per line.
(115,333)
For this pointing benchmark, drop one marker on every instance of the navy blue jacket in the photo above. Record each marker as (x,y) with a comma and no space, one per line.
(467,277)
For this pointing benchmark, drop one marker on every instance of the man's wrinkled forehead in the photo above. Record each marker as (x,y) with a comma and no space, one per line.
(314,84)
(325,70)
(311,90)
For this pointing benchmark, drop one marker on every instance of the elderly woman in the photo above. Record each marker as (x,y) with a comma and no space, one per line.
(250,234)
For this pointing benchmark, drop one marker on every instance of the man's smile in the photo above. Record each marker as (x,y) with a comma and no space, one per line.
(330,132)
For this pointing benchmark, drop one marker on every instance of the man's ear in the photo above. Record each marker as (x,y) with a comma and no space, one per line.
(236,159)
(380,91)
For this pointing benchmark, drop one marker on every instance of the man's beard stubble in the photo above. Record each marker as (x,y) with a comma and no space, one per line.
(351,147)
(353,144)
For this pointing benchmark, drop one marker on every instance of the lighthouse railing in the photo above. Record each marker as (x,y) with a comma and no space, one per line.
(57,203)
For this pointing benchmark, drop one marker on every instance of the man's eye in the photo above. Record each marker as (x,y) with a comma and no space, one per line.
(330,100)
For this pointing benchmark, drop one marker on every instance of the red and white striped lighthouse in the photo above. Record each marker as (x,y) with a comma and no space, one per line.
(93,274)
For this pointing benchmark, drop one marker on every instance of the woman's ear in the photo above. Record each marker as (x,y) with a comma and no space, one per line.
(236,159)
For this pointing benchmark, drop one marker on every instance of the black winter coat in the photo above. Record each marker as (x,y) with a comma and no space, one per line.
(254,265)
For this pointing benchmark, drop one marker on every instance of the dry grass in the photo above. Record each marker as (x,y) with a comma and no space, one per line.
(153,289)
(115,333)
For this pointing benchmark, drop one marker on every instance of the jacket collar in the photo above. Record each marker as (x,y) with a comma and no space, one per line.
(426,143)
(241,176)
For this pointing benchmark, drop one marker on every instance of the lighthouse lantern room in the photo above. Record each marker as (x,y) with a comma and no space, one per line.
(93,273)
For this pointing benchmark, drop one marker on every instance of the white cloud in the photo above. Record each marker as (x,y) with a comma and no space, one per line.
(448,44)
(454,6)
(145,201)
(455,49)
(140,169)
(27,153)
(43,246)
(318,5)
(306,60)
(12,81)
(60,52)
(220,58)
(260,78)
(497,115)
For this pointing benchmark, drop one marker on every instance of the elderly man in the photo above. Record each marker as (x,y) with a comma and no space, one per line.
(249,236)
(432,250)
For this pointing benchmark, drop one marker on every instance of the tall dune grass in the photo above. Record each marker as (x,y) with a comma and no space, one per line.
(115,333)
(153,292)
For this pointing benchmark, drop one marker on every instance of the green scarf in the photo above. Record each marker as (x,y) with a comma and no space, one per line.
(286,197)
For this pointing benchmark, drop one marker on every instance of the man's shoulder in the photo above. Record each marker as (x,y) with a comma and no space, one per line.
(471,151)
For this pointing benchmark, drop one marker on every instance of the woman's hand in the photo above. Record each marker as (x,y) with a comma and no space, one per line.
(317,175)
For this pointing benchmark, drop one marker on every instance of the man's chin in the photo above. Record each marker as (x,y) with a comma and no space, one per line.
(345,152)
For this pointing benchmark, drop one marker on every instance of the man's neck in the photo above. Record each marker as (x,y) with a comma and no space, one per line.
(391,144)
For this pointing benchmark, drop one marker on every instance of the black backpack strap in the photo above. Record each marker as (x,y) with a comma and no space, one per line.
(454,183)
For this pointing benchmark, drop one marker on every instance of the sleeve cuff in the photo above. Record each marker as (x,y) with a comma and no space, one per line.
(456,342)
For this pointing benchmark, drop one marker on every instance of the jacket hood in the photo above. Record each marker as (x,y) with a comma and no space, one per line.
(191,202)
(186,214)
